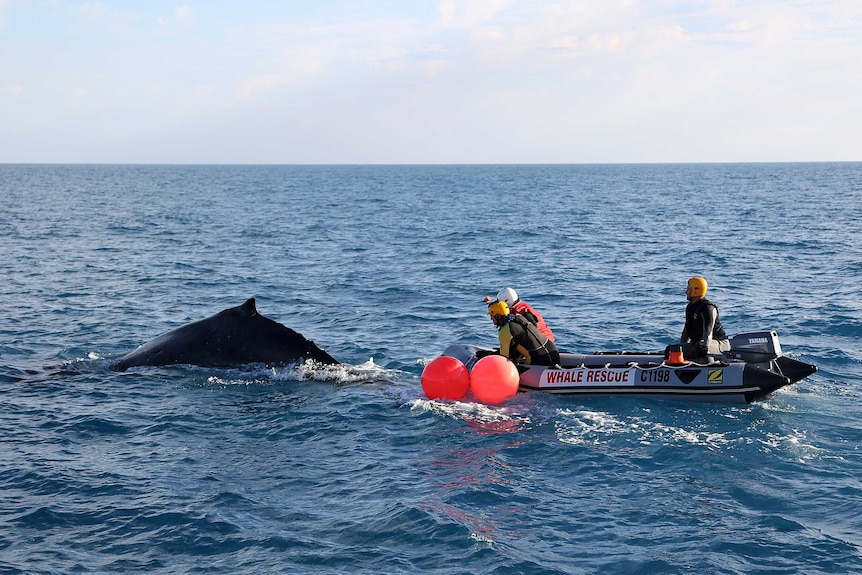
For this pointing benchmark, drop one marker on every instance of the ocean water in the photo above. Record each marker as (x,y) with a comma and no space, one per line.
(352,470)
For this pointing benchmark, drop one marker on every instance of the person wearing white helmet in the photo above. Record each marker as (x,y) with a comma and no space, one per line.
(516,305)
(703,333)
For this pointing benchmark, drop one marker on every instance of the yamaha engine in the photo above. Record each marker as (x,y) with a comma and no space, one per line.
(755,346)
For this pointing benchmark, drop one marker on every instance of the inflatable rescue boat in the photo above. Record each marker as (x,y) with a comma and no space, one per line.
(753,368)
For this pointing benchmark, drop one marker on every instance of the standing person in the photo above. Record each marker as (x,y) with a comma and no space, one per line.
(520,340)
(519,307)
(703,333)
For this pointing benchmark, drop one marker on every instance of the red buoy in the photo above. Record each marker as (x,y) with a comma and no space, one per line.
(445,378)
(494,379)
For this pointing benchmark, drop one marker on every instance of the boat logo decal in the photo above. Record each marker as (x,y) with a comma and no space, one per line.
(715,376)
(687,375)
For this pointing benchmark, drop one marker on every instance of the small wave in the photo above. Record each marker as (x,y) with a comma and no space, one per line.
(601,428)
(588,427)
(342,373)
(91,356)
(481,417)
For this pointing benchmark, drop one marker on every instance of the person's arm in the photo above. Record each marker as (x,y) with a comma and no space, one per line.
(524,353)
(709,317)
(531,317)
(514,350)
(518,333)
(505,337)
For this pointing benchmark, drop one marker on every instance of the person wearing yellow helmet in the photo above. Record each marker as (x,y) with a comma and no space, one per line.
(520,307)
(520,340)
(703,333)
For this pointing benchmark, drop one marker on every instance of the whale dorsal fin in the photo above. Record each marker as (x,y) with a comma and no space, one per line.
(250,306)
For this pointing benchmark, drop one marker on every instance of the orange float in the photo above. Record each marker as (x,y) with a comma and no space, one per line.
(445,378)
(494,379)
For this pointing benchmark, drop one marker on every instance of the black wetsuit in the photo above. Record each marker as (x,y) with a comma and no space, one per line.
(698,315)
(521,340)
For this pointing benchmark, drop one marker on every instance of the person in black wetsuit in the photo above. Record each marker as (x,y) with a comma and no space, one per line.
(520,340)
(703,333)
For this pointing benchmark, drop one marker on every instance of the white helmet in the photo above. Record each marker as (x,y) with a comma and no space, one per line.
(508,295)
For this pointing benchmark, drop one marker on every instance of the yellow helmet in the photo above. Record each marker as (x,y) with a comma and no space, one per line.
(497,307)
(698,286)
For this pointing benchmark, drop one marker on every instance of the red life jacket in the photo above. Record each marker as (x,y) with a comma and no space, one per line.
(523,308)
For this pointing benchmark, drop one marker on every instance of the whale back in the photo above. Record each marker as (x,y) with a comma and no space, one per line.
(235,336)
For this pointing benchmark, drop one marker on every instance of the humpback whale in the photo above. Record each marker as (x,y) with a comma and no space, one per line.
(235,336)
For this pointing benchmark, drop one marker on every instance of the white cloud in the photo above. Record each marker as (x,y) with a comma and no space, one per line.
(469,13)
(205,91)
(572,80)
(181,17)
(257,85)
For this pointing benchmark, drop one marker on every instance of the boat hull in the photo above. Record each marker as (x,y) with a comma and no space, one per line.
(623,374)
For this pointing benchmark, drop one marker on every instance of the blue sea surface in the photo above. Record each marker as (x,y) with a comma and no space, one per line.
(352,469)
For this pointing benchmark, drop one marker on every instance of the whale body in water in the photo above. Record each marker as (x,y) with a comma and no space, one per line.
(235,336)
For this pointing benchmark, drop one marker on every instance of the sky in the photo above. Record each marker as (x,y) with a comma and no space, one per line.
(430,82)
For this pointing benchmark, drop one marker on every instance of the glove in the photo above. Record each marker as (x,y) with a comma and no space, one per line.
(701,347)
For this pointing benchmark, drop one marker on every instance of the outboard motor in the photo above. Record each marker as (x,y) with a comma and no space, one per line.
(755,347)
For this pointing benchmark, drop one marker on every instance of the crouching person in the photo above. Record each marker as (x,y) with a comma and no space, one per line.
(520,340)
